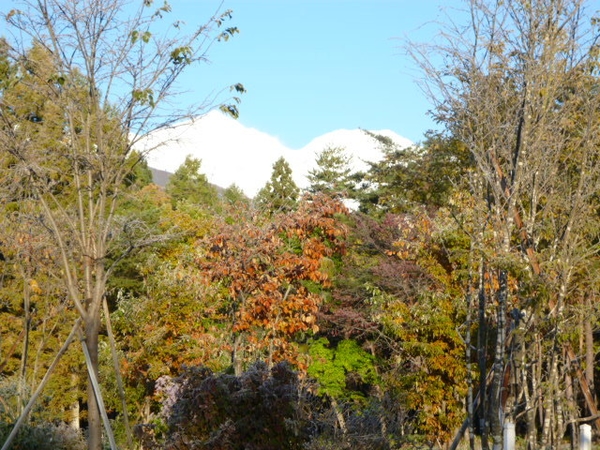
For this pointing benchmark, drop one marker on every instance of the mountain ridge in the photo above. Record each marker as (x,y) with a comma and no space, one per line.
(232,153)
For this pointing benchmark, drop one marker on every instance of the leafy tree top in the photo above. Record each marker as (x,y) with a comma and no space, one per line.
(271,272)
(412,177)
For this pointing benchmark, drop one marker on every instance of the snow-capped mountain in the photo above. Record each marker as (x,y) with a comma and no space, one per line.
(233,153)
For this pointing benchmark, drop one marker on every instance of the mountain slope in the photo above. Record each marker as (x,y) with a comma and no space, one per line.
(232,153)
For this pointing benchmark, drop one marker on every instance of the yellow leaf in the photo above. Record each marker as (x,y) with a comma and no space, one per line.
(35,287)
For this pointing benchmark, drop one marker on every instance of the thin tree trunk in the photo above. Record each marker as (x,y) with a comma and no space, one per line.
(340,416)
(590,355)
(495,412)
(95,289)
(38,353)
(559,428)
(94,440)
(74,422)
(530,403)
(236,355)
(469,324)
(25,351)
(548,402)
(482,358)
(571,407)
(93,380)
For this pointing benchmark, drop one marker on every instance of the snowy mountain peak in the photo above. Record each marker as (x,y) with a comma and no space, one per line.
(233,153)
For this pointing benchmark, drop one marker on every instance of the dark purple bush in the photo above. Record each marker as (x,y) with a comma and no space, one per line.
(255,411)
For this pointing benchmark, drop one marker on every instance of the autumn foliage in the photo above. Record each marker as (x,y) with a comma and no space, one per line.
(271,273)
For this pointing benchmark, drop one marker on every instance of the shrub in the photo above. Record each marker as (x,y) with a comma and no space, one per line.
(255,411)
(45,436)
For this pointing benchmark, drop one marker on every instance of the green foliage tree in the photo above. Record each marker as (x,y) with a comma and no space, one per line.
(281,193)
(399,294)
(233,195)
(187,184)
(332,174)
(432,377)
(7,69)
(163,318)
(423,175)
(268,273)
(33,293)
(332,366)
(141,174)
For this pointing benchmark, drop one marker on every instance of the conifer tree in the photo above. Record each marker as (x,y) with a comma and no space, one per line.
(332,174)
(421,175)
(188,184)
(281,193)
(234,195)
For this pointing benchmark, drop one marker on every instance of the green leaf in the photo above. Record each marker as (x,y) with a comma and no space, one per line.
(225,16)
(238,87)
(181,55)
(144,96)
(231,110)
(229,32)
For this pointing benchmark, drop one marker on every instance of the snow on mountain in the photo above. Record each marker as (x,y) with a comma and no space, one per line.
(233,153)
(360,147)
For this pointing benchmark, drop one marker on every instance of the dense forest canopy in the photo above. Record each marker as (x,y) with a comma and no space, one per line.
(445,292)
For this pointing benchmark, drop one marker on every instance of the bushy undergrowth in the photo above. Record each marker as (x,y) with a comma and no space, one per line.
(44,437)
(257,410)
(262,409)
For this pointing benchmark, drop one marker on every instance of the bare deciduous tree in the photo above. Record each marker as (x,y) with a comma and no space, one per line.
(106,79)
(517,85)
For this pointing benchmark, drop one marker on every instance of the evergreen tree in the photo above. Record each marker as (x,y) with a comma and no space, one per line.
(7,70)
(281,193)
(234,195)
(332,175)
(188,184)
(140,175)
(424,175)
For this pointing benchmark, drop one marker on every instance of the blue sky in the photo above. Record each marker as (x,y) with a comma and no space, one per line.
(313,66)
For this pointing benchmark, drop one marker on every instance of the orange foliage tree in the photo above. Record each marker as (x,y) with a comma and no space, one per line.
(270,273)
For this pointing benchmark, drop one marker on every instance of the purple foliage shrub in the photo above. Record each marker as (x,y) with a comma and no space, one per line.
(255,411)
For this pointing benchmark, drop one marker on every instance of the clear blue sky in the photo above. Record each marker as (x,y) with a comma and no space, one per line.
(313,66)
